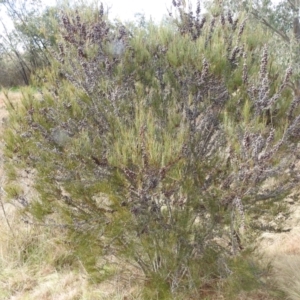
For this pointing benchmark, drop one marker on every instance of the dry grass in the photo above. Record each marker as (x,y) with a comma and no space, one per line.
(36,265)
(288,274)
(283,251)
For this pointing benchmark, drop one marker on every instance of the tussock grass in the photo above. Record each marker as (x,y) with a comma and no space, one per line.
(283,251)
(37,265)
(288,275)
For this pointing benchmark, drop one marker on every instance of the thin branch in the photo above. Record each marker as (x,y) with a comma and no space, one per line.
(266,23)
(292,5)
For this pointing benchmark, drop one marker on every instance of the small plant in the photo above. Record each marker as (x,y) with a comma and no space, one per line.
(154,144)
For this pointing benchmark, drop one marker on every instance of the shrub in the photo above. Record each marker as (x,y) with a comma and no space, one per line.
(156,144)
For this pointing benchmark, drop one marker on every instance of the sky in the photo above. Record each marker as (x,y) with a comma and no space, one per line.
(126,9)
(121,9)
(154,8)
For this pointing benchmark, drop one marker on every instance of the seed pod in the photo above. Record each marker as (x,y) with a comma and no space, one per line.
(264,63)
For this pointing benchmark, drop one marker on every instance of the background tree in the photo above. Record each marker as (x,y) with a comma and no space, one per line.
(280,18)
(15,69)
(32,39)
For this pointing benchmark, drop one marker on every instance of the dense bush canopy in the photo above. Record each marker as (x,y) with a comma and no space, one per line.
(155,144)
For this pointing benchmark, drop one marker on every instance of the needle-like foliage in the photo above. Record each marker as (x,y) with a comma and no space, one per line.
(156,145)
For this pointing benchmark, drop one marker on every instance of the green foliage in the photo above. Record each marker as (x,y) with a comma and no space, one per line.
(154,145)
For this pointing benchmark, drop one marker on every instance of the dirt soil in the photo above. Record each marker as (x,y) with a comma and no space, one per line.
(14,96)
(26,175)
